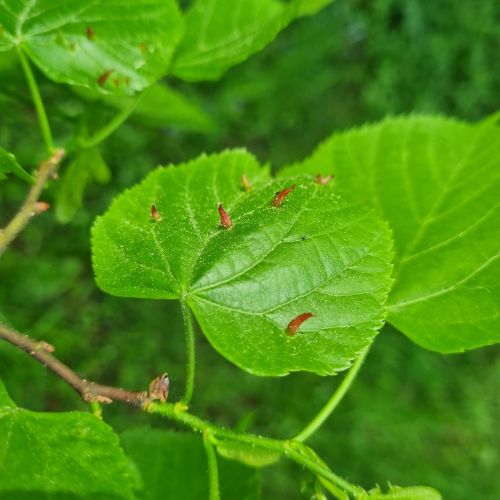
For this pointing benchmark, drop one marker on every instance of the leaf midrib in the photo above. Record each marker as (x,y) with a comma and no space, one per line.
(282,304)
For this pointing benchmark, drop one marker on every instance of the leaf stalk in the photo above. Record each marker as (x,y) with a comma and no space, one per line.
(37,101)
(190,354)
(334,400)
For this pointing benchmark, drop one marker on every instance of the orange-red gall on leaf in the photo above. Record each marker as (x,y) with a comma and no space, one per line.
(323,179)
(104,77)
(294,325)
(90,33)
(245,183)
(155,215)
(281,195)
(225,220)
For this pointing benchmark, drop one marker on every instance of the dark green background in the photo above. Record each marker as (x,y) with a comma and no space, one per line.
(412,417)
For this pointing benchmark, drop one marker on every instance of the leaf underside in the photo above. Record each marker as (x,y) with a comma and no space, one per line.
(437,182)
(316,253)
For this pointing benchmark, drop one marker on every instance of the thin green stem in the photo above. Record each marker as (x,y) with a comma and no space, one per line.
(112,126)
(213,471)
(37,101)
(296,451)
(333,402)
(318,491)
(190,352)
(29,206)
(96,408)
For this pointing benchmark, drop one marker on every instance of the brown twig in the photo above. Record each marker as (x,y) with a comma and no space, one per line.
(89,391)
(29,208)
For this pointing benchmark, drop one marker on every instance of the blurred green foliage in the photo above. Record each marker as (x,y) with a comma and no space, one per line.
(412,416)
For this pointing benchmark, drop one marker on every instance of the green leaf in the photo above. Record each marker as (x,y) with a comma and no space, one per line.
(222,33)
(158,105)
(8,164)
(66,455)
(111,46)
(248,455)
(316,253)
(174,465)
(436,181)
(4,397)
(399,493)
(311,7)
(87,164)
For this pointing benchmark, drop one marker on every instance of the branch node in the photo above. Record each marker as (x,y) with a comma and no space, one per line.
(158,388)
(41,345)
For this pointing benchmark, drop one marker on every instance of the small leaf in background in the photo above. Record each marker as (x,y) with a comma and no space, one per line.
(176,463)
(222,33)
(9,164)
(113,47)
(400,493)
(315,253)
(436,181)
(60,455)
(158,105)
(88,164)
(248,455)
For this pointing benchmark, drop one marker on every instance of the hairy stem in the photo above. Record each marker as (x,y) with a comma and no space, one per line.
(333,402)
(190,352)
(92,392)
(112,126)
(37,101)
(296,451)
(89,391)
(213,471)
(28,208)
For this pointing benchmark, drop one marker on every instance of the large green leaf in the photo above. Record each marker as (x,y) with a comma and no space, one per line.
(316,253)
(112,46)
(222,33)
(59,455)
(174,465)
(437,181)
(9,164)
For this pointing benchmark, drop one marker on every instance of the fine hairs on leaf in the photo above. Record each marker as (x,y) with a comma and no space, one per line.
(247,279)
